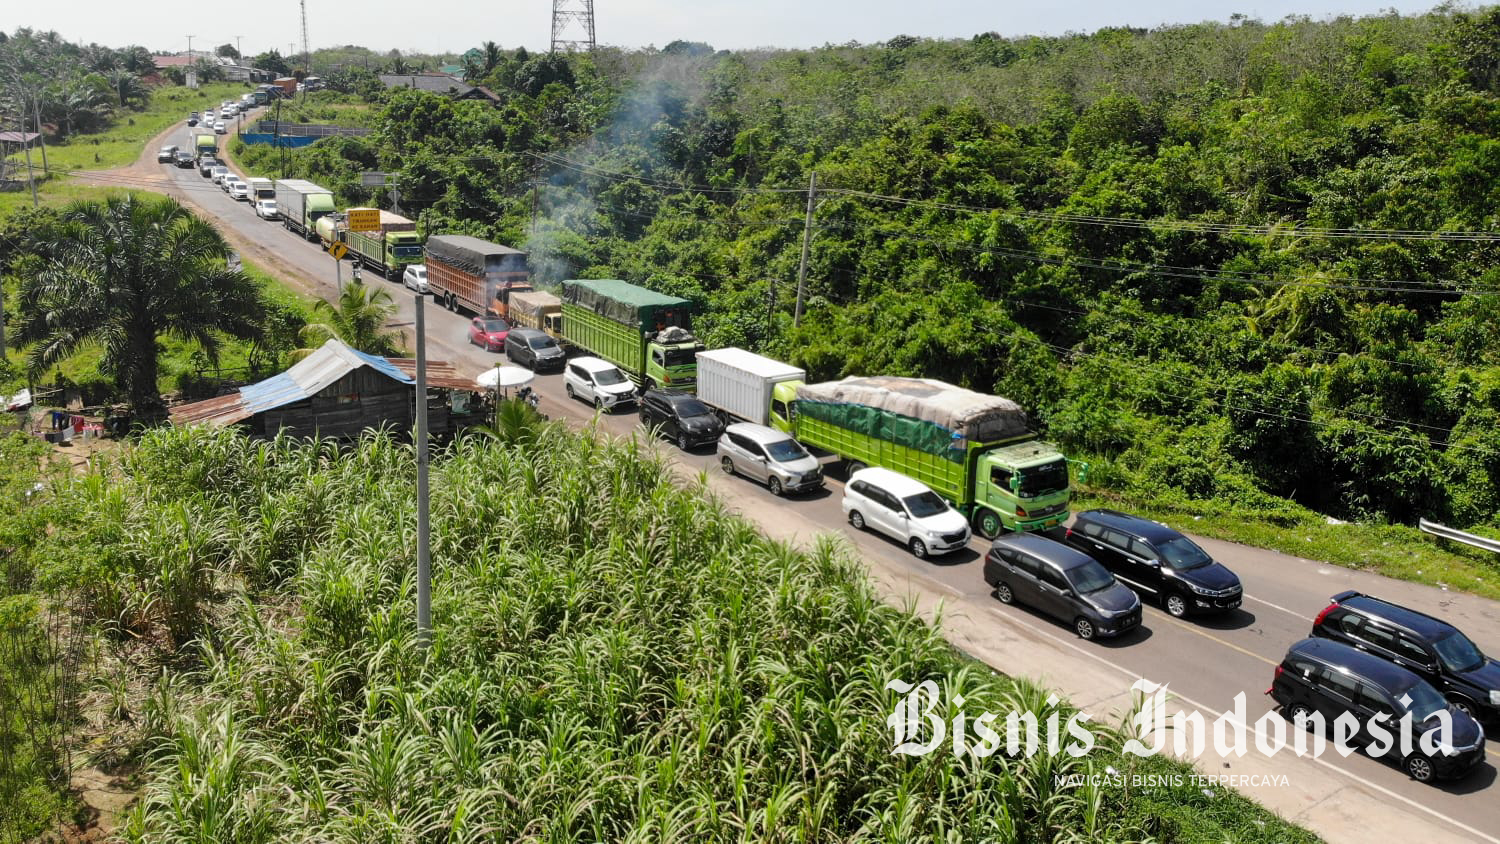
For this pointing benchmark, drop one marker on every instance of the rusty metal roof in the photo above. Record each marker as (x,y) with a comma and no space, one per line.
(324,367)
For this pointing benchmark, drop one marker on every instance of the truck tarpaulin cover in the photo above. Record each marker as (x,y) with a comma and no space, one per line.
(919,413)
(534,302)
(621,301)
(470,254)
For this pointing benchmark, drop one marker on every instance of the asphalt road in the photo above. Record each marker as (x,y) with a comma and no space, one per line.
(1205,660)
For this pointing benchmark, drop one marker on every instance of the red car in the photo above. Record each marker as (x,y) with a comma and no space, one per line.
(489,332)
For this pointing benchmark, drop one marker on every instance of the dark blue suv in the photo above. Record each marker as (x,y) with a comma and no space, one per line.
(1157,562)
(1430,647)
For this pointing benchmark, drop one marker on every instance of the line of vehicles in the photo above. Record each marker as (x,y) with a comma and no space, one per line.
(930,464)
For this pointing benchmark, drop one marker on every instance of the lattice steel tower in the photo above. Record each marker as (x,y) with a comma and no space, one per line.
(306,53)
(572,25)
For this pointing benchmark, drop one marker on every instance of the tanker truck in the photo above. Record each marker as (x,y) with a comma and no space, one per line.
(974,450)
(643,332)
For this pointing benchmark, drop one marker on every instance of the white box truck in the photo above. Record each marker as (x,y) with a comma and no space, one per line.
(738,383)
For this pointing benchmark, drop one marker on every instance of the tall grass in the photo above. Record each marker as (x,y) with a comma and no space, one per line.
(615,658)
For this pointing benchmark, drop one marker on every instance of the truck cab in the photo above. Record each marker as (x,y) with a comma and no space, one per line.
(1022,486)
(672,359)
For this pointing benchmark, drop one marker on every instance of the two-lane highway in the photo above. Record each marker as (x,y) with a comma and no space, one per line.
(1205,660)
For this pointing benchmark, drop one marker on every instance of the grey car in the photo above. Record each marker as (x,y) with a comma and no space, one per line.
(535,349)
(769,456)
(1062,582)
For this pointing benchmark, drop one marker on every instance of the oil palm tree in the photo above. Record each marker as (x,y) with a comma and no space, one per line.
(358,320)
(119,274)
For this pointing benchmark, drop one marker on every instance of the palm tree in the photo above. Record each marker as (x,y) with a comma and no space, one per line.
(358,320)
(127,86)
(493,55)
(118,275)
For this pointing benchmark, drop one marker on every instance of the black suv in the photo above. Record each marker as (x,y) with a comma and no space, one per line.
(1329,679)
(1063,582)
(182,158)
(681,417)
(534,348)
(1432,648)
(1157,561)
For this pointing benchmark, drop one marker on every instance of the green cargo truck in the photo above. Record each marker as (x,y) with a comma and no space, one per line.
(974,450)
(387,251)
(643,332)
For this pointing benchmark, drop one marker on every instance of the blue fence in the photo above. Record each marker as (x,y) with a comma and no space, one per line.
(280,141)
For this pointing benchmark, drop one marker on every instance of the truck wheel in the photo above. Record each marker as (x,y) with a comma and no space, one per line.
(987,523)
(855,466)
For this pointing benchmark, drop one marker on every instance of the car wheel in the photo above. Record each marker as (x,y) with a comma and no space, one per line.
(568,388)
(918,548)
(1465,706)
(987,523)
(1003,593)
(1176,604)
(682,441)
(1418,768)
(599,404)
(1300,710)
(774,485)
(1084,628)
(508,356)
(727,465)
(857,520)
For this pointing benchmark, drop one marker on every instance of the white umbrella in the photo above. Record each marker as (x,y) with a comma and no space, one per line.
(504,377)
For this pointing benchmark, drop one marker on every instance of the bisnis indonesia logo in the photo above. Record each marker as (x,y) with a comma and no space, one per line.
(918,729)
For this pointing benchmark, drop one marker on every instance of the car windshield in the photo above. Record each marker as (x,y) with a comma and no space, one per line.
(1181,553)
(421,272)
(688,408)
(1044,479)
(681,357)
(924,504)
(542,343)
(1458,653)
(1089,577)
(609,377)
(1425,701)
(495,325)
(785,450)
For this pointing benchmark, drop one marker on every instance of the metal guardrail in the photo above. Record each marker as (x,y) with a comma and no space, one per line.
(1491,545)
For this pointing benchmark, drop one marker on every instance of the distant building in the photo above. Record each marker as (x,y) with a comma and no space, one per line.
(439,83)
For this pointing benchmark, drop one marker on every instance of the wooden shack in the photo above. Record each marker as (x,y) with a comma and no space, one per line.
(338,392)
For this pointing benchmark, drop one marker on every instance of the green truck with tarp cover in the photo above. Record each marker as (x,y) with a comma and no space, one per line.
(975,450)
(643,332)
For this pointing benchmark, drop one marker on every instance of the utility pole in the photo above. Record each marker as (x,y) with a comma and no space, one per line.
(424,529)
(771,310)
(30,177)
(36,111)
(190,51)
(239,54)
(812,190)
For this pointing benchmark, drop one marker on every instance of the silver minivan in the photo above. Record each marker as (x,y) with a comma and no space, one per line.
(768,456)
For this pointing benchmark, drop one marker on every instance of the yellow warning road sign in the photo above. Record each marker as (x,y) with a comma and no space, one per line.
(338,250)
(363,219)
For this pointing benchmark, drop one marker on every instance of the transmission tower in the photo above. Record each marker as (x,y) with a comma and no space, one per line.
(573,18)
(306,54)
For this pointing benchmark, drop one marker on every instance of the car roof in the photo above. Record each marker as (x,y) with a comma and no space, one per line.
(527,332)
(593,364)
(1064,556)
(1368,666)
(757,433)
(1139,525)
(895,483)
(674,396)
(1421,624)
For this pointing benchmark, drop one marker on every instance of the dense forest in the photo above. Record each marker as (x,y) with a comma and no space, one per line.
(1246,262)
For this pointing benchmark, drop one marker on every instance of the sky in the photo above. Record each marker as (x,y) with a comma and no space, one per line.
(456,25)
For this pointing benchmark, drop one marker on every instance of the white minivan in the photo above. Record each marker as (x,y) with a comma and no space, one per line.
(598,382)
(905,510)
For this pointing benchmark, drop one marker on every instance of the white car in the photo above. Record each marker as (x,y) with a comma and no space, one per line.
(905,510)
(221,129)
(217,173)
(238,190)
(226,112)
(598,382)
(266,209)
(415,277)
